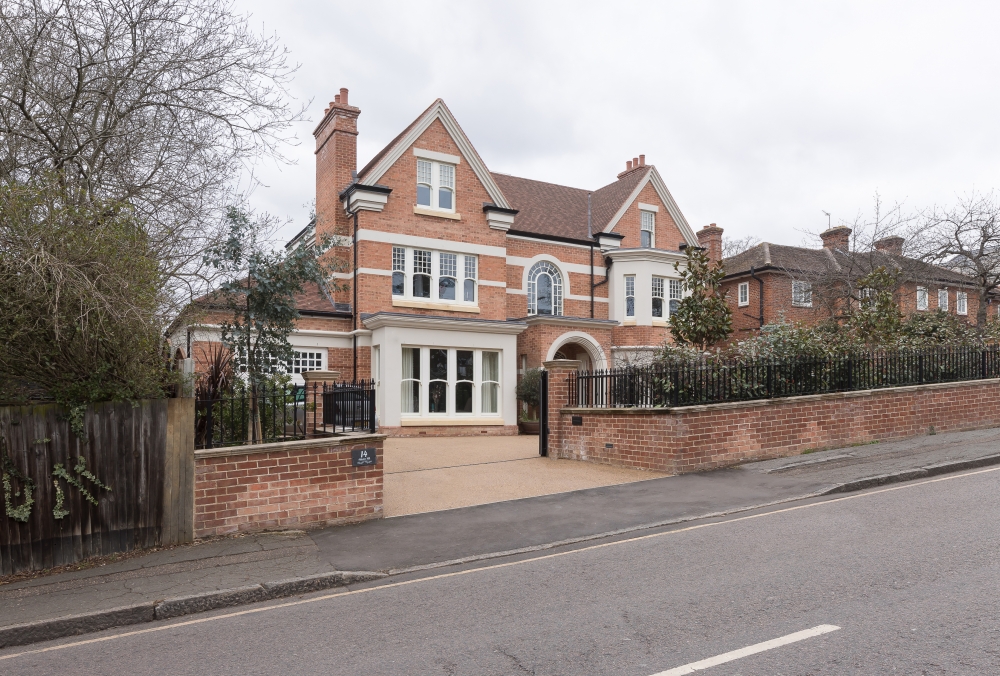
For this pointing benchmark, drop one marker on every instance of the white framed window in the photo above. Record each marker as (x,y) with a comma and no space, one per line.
(447,275)
(544,289)
(647,232)
(676,295)
(435,185)
(943,299)
(398,271)
(469,290)
(411,381)
(303,361)
(743,294)
(443,381)
(420,274)
(962,303)
(922,298)
(490,383)
(802,295)
(630,295)
(658,297)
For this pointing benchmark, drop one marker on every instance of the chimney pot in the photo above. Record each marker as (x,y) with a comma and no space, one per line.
(336,99)
(642,160)
(628,165)
(635,161)
(343,95)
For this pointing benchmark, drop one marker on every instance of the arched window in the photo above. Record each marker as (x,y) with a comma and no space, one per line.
(544,289)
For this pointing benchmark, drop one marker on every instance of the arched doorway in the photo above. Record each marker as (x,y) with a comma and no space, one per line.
(581,347)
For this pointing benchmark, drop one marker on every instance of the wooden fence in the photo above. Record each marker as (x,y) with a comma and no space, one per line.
(127,484)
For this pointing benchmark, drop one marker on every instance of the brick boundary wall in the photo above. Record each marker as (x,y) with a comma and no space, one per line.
(695,438)
(293,484)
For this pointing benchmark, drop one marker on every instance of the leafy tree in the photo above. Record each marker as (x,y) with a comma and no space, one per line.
(259,296)
(703,317)
(875,318)
(80,292)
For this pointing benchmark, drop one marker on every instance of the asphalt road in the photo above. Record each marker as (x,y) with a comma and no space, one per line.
(908,575)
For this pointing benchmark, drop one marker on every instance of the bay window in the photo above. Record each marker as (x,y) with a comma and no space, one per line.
(398,271)
(470,280)
(458,382)
(421,274)
(630,295)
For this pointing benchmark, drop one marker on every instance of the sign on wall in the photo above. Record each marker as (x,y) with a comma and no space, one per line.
(362,457)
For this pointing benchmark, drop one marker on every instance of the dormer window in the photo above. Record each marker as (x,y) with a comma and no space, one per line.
(647,238)
(435,185)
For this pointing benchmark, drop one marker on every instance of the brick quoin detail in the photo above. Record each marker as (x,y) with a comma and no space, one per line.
(691,439)
(291,485)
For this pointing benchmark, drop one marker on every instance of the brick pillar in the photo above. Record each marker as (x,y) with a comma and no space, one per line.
(559,391)
(315,380)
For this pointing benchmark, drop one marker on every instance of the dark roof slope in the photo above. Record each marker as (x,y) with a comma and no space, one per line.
(561,211)
(313,299)
(801,260)
(545,208)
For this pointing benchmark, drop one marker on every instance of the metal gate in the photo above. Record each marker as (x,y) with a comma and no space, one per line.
(543,414)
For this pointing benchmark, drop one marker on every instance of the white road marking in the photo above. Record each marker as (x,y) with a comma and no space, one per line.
(749,650)
(392,585)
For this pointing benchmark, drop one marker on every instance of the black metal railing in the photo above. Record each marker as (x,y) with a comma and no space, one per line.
(348,406)
(716,381)
(270,413)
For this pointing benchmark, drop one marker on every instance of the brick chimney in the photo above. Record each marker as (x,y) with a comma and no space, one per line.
(336,161)
(890,245)
(633,164)
(838,237)
(710,238)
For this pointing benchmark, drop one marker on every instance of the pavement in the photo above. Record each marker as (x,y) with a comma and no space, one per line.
(305,561)
(896,579)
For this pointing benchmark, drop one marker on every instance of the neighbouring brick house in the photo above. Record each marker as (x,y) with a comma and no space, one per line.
(769,283)
(456,279)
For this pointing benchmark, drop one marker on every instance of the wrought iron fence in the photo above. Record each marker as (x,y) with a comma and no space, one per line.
(716,381)
(270,413)
(349,406)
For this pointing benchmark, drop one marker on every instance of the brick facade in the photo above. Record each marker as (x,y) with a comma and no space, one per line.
(296,484)
(695,438)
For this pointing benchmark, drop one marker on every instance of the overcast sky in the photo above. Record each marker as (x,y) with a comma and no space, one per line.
(758,115)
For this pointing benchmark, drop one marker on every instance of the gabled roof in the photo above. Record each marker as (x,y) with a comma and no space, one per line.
(561,211)
(376,168)
(796,260)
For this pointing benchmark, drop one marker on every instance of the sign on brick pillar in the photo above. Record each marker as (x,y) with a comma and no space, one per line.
(560,372)
(315,381)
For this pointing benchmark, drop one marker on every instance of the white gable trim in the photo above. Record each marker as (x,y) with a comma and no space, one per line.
(653,176)
(440,112)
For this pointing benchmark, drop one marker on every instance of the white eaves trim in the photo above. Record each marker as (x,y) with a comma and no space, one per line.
(653,176)
(436,156)
(380,320)
(439,111)
(648,207)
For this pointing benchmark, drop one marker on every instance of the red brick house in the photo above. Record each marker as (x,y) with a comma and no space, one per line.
(455,279)
(773,282)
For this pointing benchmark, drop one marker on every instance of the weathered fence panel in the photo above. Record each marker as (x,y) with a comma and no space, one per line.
(137,465)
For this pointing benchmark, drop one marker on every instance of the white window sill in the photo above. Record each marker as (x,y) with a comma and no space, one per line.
(629,322)
(660,322)
(432,305)
(801,305)
(428,421)
(438,213)
(747,304)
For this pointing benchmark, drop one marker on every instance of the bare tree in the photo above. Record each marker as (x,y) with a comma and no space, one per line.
(734,246)
(965,238)
(157,104)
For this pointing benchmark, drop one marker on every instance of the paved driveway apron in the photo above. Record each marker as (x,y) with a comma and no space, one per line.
(432,474)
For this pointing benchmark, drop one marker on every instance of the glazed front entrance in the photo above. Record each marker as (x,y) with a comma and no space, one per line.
(432,474)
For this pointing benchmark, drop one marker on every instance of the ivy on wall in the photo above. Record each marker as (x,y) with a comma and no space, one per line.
(24,484)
